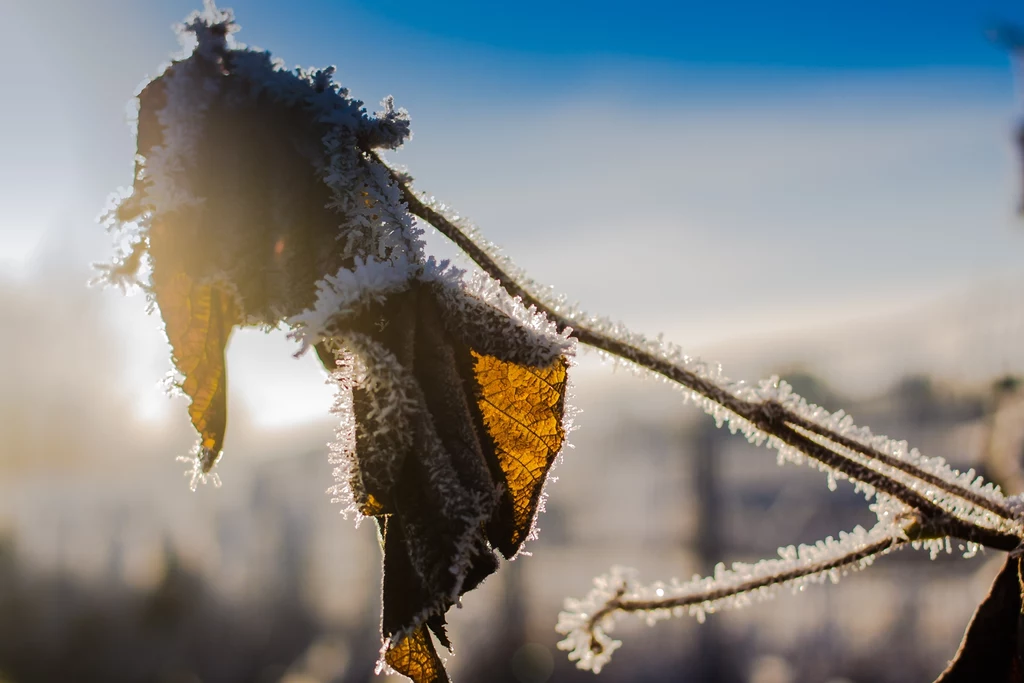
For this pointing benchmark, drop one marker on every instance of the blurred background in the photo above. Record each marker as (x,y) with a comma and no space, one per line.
(826,192)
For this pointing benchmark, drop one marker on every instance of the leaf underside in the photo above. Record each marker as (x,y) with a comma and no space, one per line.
(414,656)
(521,408)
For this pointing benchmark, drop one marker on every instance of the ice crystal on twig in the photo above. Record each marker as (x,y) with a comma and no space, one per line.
(586,623)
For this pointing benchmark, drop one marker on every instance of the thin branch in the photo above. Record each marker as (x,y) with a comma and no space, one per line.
(770,417)
(956,489)
(936,516)
(586,623)
(618,604)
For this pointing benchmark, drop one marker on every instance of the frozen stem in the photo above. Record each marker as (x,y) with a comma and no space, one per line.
(586,623)
(967,511)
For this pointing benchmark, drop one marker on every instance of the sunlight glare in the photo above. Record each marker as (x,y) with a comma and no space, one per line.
(276,389)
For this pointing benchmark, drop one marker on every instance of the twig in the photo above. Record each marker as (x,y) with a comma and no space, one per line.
(618,604)
(770,417)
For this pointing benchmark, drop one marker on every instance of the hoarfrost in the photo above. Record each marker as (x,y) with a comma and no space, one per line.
(199,467)
(587,623)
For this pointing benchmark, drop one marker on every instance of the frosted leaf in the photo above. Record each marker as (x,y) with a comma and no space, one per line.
(345,293)
(295,182)
(436,499)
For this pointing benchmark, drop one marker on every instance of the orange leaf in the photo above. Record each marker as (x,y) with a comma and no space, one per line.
(198,320)
(522,410)
(414,656)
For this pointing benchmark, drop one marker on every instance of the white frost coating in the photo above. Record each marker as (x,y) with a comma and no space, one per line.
(392,395)
(198,30)
(1016,503)
(189,95)
(343,448)
(489,290)
(591,646)
(547,343)
(346,293)
(462,296)
(442,273)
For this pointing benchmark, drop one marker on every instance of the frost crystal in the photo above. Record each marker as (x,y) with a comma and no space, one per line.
(198,470)
(343,448)
(346,293)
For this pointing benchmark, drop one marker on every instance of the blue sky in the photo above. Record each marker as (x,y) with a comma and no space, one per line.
(806,34)
(496,47)
(722,172)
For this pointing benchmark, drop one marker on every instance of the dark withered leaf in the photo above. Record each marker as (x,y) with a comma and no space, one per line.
(483,438)
(198,320)
(992,649)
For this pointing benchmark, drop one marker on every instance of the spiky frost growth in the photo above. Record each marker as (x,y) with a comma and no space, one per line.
(200,467)
(343,449)
(342,296)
